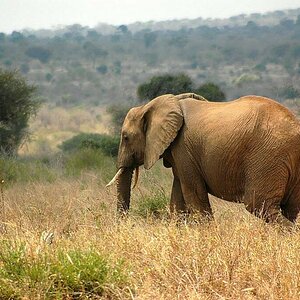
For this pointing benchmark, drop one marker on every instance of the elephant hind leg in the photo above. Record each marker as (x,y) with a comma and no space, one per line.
(292,207)
(272,215)
(268,209)
(263,198)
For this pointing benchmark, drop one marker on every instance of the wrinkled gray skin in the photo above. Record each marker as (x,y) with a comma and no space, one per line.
(247,150)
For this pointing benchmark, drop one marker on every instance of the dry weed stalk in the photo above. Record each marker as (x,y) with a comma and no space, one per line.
(3,215)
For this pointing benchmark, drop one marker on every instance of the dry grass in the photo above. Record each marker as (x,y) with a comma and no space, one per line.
(53,125)
(236,256)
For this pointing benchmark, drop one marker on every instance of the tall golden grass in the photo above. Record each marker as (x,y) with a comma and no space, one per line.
(235,256)
(53,125)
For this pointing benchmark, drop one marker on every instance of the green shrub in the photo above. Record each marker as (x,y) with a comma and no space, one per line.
(64,273)
(154,206)
(107,144)
(102,69)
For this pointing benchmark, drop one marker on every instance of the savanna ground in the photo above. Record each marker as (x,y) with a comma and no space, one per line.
(60,239)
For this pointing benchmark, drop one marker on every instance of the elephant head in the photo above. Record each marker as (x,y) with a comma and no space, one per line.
(147,132)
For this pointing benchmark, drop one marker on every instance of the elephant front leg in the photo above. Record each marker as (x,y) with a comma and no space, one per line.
(177,204)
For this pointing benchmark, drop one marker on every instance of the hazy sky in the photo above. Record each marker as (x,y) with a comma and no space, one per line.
(19,14)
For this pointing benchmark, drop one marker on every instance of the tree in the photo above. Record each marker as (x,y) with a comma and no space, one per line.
(118,113)
(123,29)
(93,52)
(287,23)
(40,53)
(149,39)
(211,92)
(102,69)
(16,36)
(289,92)
(17,104)
(165,84)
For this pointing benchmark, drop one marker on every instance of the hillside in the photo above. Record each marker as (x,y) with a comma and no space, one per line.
(75,65)
(268,19)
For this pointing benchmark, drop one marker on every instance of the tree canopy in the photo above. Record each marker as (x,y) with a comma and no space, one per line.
(177,84)
(211,92)
(164,84)
(17,104)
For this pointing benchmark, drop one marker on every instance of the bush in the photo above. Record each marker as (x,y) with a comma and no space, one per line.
(102,69)
(153,206)
(260,67)
(64,274)
(109,145)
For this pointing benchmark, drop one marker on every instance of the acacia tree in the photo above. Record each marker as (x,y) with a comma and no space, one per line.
(118,113)
(164,84)
(177,84)
(18,102)
(40,53)
(211,92)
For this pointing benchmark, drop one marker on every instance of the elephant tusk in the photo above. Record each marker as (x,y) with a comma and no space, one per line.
(136,177)
(120,171)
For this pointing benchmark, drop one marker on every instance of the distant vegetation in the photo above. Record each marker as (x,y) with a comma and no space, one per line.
(256,54)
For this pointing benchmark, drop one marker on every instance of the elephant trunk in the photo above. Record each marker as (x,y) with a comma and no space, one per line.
(123,190)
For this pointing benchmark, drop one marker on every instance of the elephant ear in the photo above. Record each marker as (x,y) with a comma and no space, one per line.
(163,118)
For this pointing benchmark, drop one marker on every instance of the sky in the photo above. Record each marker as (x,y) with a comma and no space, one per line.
(37,14)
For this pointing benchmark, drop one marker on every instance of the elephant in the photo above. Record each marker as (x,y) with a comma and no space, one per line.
(245,150)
